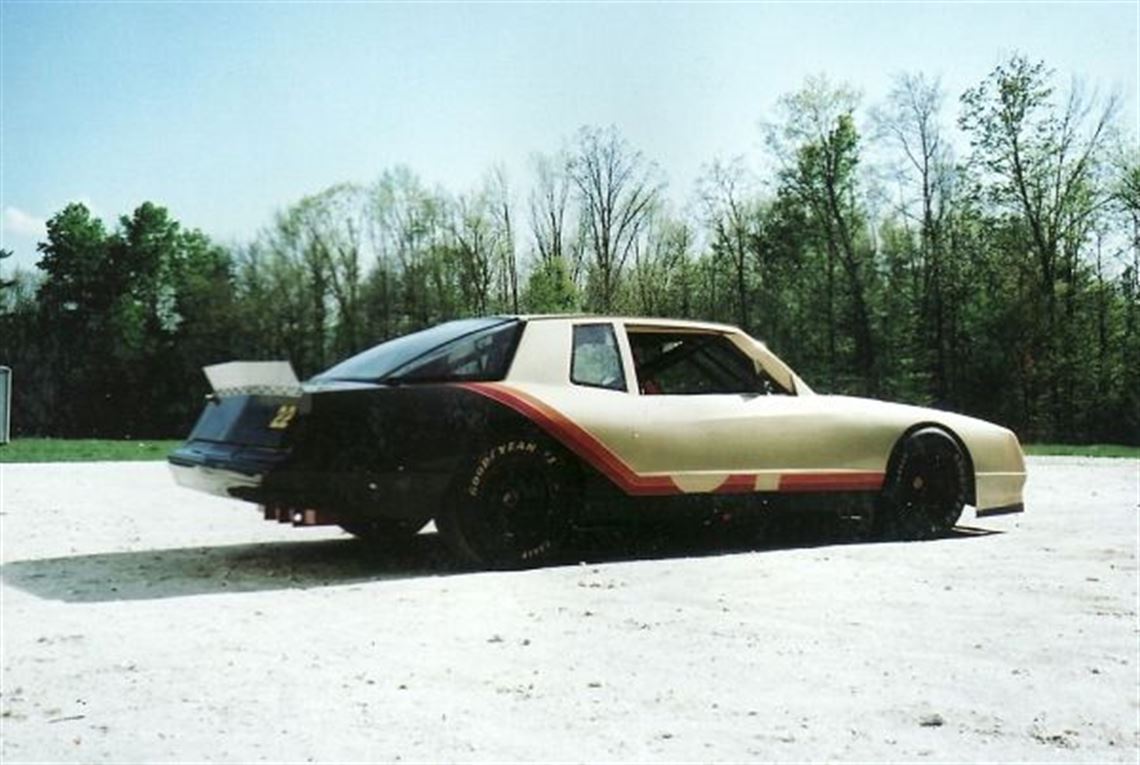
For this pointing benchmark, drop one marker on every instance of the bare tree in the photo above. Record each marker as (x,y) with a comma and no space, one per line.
(475,234)
(549,201)
(725,195)
(660,276)
(617,193)
(498,190)
(407,226)
(910,120)
(331,226)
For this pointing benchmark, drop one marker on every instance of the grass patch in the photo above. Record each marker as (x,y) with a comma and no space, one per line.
(84,450)
(1083,450)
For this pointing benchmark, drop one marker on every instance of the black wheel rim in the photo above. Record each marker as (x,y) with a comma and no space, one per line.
(516,519)
(930,489)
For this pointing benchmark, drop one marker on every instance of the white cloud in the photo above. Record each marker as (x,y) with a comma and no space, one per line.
(20,223)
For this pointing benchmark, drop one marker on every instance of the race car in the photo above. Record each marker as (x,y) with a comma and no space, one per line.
(513,432)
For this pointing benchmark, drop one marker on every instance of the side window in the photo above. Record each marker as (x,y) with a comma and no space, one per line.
(595,360)
(694,363)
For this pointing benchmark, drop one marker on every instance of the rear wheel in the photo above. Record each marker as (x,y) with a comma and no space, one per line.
(926,489)
(512,507)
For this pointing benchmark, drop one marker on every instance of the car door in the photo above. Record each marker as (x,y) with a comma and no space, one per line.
(702,405)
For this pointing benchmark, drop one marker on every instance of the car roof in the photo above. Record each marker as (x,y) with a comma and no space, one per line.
(646,321)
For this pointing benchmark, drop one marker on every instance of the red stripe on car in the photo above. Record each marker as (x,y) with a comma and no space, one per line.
(576,439)
(846,481)
(595,453)
(738,483)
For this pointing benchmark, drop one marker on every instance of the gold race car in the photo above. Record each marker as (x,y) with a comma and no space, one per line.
(512,432)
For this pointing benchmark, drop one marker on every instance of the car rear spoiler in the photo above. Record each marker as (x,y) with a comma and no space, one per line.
(253,378)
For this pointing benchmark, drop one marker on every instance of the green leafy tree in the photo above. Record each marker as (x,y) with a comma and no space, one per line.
(6,283)
(122,319)
(549,288)
(1040,165)
(75,304)
(818,148)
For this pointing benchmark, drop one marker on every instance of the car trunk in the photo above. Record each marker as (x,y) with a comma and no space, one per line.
(242,432)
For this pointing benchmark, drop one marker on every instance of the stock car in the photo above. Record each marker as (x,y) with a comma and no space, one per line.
(511,432)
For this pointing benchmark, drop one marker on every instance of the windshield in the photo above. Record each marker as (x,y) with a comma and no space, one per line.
(467,349)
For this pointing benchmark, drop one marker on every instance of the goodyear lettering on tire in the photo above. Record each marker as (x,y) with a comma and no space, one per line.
(493,454)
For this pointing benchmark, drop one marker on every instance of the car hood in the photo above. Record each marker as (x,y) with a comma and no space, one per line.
(891,411)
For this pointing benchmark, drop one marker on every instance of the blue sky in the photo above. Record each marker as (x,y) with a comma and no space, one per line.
(226,112)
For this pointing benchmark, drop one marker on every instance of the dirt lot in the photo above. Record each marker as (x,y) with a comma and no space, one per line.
(142,622)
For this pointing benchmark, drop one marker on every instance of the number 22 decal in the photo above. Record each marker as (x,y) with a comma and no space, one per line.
(284,416)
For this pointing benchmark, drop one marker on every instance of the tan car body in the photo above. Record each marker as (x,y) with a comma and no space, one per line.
(802,442)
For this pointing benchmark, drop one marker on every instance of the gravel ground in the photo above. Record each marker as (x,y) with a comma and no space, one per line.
(143,622)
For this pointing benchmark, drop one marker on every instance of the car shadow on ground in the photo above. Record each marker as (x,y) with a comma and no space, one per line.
(791,534)
(182,572)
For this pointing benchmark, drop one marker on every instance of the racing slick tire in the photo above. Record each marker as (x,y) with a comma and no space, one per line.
(512,506)
(926,487)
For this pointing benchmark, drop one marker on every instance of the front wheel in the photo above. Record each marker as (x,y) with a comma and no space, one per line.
(926,489)
(512,507)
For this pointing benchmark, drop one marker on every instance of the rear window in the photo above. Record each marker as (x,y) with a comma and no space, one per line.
(463,350)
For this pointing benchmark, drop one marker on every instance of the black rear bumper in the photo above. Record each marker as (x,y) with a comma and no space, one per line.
(270,477)
(227,470)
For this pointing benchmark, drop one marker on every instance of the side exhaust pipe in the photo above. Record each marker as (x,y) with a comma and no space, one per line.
(299,516)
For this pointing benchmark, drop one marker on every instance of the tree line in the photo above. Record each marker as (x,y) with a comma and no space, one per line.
(983,257)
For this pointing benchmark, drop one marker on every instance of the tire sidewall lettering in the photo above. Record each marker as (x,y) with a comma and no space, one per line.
(492,456)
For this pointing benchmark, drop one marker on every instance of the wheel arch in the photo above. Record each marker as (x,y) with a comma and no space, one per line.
(897,450)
